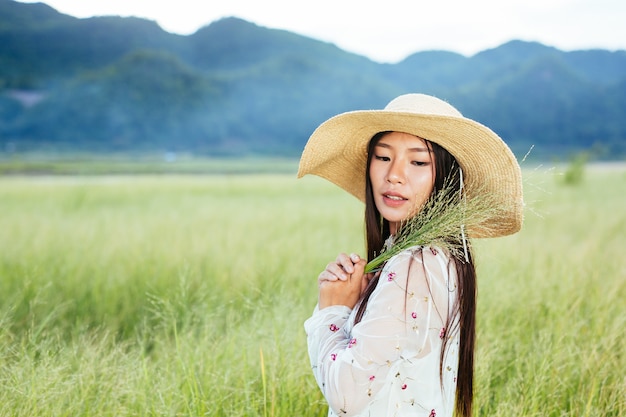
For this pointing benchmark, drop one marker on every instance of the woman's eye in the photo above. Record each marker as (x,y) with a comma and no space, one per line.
(381,158)
(420,163)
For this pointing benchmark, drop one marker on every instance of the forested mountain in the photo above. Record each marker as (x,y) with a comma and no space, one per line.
(233,88)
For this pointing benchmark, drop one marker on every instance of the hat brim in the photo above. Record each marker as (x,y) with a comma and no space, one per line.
(337,151)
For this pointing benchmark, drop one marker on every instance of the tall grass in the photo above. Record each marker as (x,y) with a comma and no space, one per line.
(185,295)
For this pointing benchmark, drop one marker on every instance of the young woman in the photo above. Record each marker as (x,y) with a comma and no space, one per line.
(400,342)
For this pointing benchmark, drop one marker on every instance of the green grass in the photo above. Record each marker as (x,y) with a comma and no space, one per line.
(185,295)
(141,164)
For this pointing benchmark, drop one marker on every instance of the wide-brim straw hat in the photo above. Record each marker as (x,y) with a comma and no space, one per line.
(337,151)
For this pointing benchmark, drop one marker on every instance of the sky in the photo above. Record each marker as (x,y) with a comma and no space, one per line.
(391,30)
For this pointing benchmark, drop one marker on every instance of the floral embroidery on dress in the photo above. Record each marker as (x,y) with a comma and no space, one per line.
(351,343)
(333,356)
(333,327)
(442,333)
(414,315)
(432,413)
(391,276)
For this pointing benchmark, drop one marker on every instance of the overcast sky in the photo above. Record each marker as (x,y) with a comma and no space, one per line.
(390,30)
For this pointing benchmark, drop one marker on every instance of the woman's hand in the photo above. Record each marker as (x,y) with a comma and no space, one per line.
(343,281)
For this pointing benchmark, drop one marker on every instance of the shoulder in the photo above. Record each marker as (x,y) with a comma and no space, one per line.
(425,263)
(422,254)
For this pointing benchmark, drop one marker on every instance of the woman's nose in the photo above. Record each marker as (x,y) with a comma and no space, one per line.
(396,174)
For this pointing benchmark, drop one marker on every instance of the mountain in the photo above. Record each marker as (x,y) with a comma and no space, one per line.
(234,88)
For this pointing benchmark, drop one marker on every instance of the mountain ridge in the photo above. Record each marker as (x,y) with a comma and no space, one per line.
(234,88)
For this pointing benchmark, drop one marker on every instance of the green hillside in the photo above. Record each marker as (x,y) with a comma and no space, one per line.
(112,84)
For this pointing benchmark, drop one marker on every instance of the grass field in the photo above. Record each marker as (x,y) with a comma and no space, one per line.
(183,295)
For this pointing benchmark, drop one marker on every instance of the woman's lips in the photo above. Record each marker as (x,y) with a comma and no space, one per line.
(394,199)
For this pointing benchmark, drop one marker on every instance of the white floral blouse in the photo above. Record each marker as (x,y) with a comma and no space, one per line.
(388,364)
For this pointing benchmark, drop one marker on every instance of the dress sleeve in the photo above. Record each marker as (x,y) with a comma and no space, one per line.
(404,321)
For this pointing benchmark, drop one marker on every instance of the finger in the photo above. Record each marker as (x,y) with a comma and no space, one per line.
(354,258)
(326,276)
(357,278)
(359,267)
(337,270)
(345,263)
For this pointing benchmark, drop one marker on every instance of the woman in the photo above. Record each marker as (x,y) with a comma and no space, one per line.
(400,341)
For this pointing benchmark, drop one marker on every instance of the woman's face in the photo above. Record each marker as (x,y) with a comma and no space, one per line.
(402,176)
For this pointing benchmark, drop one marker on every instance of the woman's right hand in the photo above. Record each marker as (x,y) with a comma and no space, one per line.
(343,281)
(340,269)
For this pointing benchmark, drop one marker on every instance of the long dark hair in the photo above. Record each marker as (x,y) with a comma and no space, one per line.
(377,230)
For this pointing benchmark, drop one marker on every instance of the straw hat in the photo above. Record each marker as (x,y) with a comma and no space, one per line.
(337,151)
